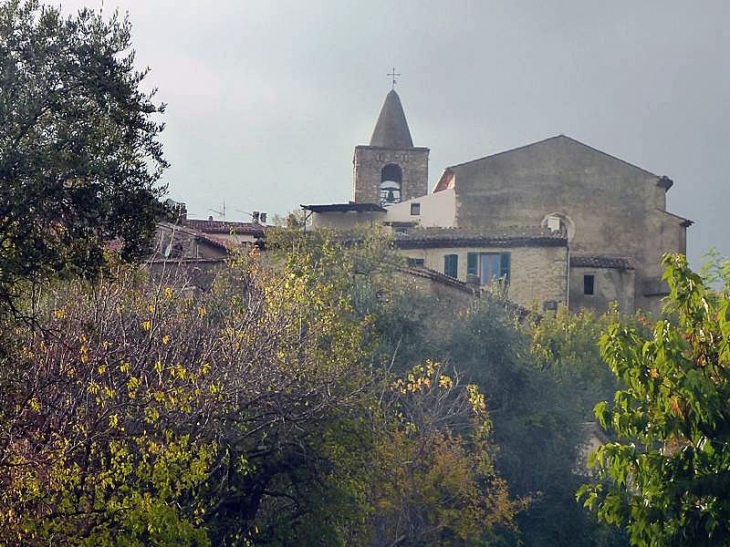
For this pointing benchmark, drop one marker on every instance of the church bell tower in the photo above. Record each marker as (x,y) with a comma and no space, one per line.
(390,169)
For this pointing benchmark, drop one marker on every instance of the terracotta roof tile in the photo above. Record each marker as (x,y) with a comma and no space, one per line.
(597,261)
(345,208)
(499,237)
(225,227)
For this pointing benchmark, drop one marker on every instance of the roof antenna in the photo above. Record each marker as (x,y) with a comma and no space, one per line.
(393,75)
(222,213)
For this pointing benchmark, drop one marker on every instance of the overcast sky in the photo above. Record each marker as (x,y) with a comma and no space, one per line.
(266,100)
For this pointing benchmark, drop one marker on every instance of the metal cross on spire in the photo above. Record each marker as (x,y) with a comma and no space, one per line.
(393,75)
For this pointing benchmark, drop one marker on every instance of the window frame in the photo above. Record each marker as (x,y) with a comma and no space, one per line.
(451,264)
(475,261)
(589,289)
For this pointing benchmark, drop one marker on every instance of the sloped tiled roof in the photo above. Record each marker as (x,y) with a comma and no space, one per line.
(438,277)
(598,261)
(499,237)
(391,129)
(224,227)
(218,243)
(345,208)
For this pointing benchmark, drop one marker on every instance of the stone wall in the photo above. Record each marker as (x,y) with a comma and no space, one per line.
(347,220)
(608,200)
(614,207)
(669,236)
(369,161)
(537,274)
(609,286)
(449,296)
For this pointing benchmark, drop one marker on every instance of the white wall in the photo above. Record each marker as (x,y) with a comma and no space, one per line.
(437,209)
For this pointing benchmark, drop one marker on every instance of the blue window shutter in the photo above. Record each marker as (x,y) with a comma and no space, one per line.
(504,261)
(472,264)
(451,265)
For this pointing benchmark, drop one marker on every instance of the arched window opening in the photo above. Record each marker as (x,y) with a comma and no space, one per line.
(391,177)
(558,222)
(391,172)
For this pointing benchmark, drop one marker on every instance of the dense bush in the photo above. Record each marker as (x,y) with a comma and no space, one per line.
(138,412)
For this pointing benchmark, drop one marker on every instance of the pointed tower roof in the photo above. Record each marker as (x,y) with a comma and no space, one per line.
(391,130)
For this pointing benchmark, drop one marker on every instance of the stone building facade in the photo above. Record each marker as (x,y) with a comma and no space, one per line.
(506,264)
(610,215)
(613,213)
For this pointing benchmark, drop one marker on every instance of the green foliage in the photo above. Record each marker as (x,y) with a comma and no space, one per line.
(98,437)
(669,470)
(537,429)
(716,270)
(79,155)
(540,380)
(436,482)
(566,346)
(140,413)
(408,473)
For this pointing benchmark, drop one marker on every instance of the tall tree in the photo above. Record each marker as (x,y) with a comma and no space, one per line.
(79,149)
(670,469)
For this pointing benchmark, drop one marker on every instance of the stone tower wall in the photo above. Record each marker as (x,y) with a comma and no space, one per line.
(369,161)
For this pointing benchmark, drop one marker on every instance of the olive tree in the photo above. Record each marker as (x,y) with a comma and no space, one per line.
(79,151)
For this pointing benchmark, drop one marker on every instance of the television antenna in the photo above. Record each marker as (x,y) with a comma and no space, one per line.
(221,213)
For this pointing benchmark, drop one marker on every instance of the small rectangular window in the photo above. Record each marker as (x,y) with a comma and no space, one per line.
(415,209)
(451,265)
(472,264)
(588,284)
(415,262)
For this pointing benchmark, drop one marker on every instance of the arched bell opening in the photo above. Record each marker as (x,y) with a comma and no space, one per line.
(391,178)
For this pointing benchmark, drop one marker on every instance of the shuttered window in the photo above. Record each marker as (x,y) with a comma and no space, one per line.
(451,265)
(489,267)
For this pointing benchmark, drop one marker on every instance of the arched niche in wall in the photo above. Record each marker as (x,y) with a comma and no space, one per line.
(559,222)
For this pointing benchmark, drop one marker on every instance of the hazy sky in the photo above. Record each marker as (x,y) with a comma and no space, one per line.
(266,100)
